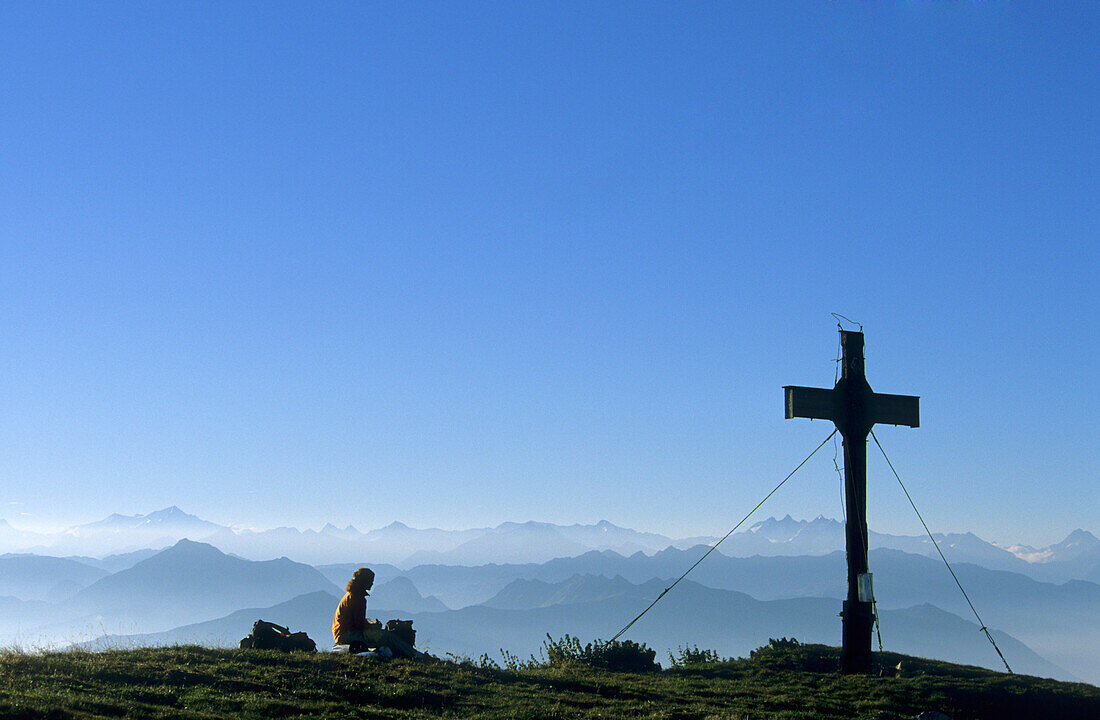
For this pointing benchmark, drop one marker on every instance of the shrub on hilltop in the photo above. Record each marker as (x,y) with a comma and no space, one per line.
(568,653)
(618,655)
(686,656)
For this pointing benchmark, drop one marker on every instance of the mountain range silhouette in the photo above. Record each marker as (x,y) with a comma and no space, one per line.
(484,606)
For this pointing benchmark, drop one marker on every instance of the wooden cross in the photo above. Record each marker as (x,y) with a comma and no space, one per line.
(854,408)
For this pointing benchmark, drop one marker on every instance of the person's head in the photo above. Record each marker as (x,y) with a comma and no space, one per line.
(361,581)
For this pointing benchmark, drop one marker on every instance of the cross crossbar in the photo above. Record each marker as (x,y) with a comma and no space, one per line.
(821,404)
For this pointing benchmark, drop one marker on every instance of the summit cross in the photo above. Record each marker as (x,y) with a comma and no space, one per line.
(853,407)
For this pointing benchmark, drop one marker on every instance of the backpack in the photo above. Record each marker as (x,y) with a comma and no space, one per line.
(402,629)
(269,636)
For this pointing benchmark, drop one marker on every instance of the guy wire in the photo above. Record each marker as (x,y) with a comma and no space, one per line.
(982,625)
(715,546)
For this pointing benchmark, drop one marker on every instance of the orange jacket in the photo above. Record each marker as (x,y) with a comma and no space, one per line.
(351,614)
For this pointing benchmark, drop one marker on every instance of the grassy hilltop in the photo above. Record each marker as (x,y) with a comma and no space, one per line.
(777,682)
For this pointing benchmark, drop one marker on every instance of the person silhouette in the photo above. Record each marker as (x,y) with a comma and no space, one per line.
(351,627)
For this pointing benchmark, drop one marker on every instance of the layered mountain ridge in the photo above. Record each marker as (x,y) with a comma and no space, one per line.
(194,592)
(1075,557)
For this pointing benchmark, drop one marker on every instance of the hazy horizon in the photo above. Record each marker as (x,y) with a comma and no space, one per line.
(747,526)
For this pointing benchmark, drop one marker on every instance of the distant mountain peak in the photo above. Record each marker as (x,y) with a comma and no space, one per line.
(168,520)
(772,522)
(190,550)
(1078,545)
(822,520)
(193,545)
(1081,536)
(171,515)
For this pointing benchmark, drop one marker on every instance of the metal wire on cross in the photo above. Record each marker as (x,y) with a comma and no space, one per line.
(982,625)
(715,545)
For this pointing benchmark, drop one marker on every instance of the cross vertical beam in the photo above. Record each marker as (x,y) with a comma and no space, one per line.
(854,408)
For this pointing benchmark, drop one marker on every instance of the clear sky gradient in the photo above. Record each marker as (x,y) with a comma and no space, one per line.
(462,263)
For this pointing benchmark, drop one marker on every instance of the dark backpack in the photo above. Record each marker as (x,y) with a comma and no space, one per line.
(402,629)
(269,636)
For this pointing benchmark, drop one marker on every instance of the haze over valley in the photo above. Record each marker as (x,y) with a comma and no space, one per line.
(169,577)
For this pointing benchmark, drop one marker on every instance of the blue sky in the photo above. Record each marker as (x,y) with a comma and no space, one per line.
(462,263)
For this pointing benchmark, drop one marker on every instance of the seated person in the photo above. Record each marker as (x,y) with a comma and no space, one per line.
(351,627)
